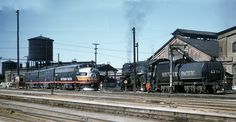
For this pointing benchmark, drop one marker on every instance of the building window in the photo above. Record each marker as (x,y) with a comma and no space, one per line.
(234,47)
(220,49)
(234,69)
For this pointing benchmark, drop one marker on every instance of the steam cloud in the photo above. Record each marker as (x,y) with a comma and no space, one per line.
(136,12)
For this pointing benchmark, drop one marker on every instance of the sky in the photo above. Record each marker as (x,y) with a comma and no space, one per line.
(75,24)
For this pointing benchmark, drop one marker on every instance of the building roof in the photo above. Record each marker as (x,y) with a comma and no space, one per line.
(161,47)
(210,47)
(227,30)
(202,40)
(106,67)
(41,38)
(9,61)
(195,34)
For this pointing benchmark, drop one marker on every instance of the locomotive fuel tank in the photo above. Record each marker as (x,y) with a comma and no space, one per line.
(207,71)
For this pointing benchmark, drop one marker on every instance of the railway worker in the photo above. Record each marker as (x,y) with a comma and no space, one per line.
(148,87)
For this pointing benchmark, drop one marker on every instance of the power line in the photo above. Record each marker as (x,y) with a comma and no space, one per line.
(72,50)
(112,56)
(9,48)
(75,51)
(73,45)
(9,59)
(113,50)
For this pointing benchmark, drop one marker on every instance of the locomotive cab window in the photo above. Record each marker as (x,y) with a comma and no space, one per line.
(234,47)
(82,73)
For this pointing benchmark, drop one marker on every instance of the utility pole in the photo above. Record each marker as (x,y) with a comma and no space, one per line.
(95,49)
(171,68)
(1,64)
(58,58)
(18,53)
(134,85)
(137,50)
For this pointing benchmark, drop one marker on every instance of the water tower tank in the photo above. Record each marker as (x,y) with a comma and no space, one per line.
(40,49)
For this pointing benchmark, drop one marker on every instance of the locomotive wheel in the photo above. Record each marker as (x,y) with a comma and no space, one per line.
(209,89)
(194,89)
(77,87)
(162,90)
(190,90)
(199,89)
(186,89)
(204,89)
(214,89)
(167,90)
(173,89)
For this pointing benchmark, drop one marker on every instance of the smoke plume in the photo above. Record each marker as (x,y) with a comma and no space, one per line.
(135,13)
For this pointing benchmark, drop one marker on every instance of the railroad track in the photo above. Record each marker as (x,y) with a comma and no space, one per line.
(28,112)
(215,105)
(136,98)
(219,106)
(174,102)
(199,104)
(139,94)
(33,113)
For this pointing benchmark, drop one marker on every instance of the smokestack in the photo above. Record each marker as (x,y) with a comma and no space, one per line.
(134,85)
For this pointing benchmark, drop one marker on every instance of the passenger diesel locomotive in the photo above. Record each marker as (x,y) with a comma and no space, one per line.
(64,77)
(189,77)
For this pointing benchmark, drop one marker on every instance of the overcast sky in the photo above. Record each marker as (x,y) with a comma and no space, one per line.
(76,24)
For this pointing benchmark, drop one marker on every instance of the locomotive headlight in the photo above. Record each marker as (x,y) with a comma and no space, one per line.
(213,71)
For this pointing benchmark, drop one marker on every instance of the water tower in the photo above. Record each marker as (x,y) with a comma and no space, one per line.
(40,51)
